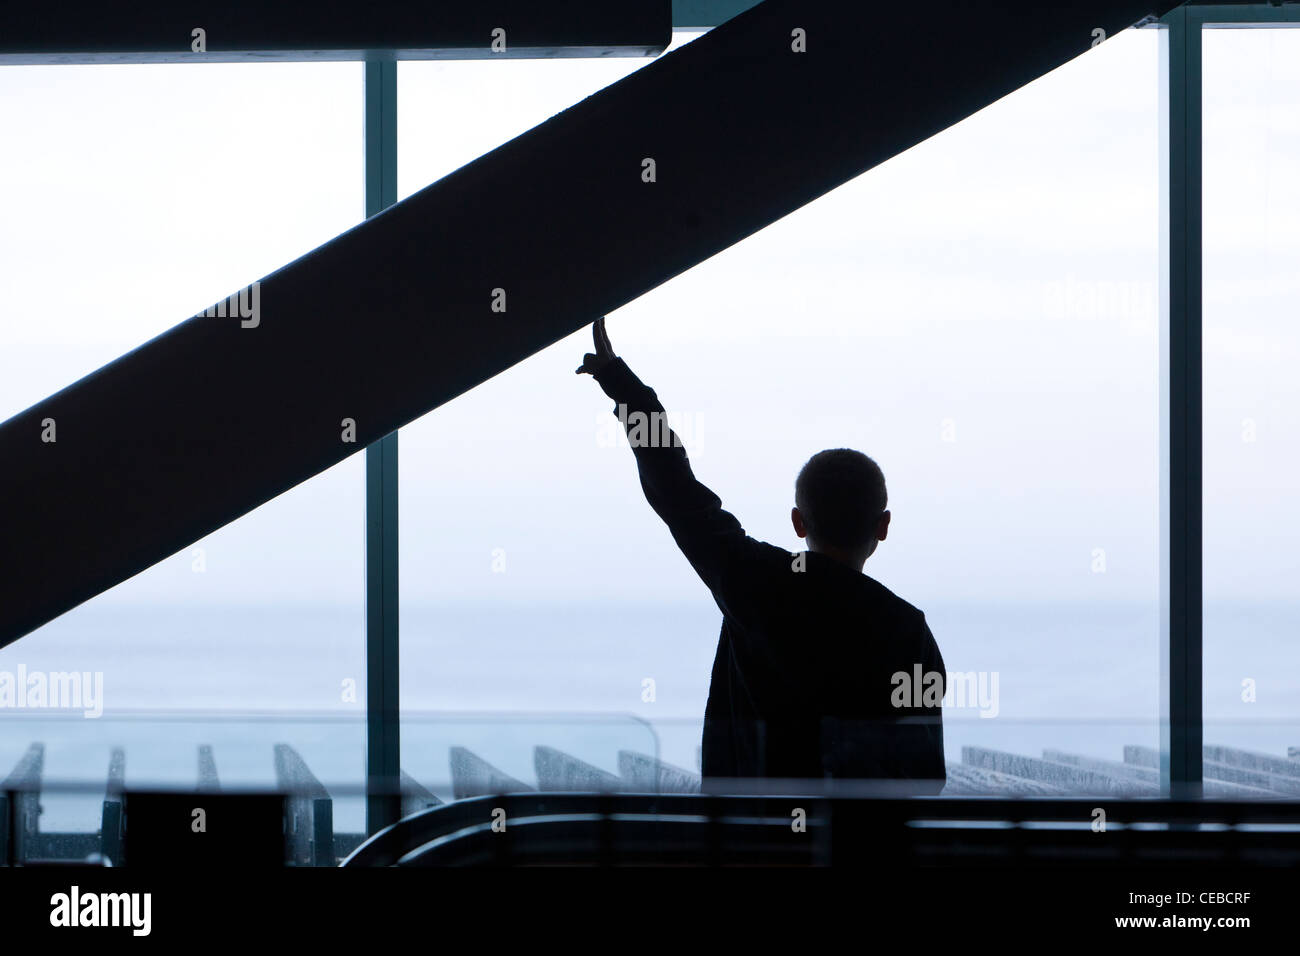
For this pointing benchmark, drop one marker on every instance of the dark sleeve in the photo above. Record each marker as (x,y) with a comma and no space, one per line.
(710,537)
(934,660)
(938,760)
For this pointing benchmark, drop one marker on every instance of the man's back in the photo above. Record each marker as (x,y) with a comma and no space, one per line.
(804,681)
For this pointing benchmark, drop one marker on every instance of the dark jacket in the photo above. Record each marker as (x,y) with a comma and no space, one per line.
(806,679)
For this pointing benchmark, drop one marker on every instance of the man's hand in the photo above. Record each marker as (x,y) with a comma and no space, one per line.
(591,364)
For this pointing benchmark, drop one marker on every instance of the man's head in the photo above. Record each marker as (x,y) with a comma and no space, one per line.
(840,505)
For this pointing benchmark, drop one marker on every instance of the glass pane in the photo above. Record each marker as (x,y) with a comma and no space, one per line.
(979,315)
(515,647)
(1252,406)
(134,197)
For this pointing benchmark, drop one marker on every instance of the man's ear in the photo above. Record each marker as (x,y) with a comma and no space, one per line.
(882,527)
(796,519)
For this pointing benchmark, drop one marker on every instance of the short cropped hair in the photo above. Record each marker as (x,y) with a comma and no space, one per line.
(841,495)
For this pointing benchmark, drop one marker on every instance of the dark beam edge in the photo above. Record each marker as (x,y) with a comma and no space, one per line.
(159,26)
(602,51)
(729,174)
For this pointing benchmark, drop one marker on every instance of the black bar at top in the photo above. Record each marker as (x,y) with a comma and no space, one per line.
(161,31)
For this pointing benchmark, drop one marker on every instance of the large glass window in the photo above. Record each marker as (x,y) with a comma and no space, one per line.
(978,314)
(135,196)
(1252,399)
(512,600)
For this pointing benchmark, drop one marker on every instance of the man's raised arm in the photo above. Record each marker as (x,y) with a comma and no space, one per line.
(710,537)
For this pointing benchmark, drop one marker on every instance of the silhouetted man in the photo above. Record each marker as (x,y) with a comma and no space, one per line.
(821,671)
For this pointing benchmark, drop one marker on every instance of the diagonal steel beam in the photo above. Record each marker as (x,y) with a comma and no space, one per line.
(220,414)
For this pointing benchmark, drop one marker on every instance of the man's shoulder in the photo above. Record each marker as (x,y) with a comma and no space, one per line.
(910,620)
(902,608)
(776,556)
(880,597)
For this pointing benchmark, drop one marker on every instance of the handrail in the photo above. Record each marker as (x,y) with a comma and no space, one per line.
(710,829)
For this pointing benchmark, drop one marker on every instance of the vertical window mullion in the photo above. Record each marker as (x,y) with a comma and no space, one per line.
(1181,724)
(383,742)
